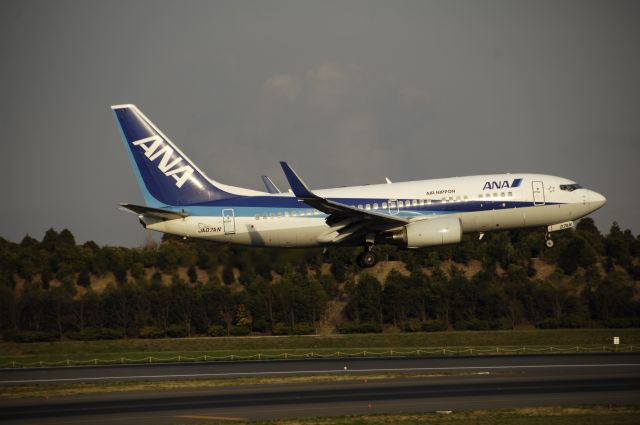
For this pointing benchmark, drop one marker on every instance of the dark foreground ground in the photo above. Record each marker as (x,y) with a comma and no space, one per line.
(458,383)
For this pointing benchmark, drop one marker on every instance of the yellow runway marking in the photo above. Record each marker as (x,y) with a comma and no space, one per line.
(217,418)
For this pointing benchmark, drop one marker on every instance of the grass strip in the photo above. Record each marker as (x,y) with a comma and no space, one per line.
(593,414)
(47,390)
(293,354)
(183,349)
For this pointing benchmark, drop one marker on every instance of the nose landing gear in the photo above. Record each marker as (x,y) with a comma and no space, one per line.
(548,241)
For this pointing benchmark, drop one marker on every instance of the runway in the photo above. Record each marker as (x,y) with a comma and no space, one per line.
(456,383)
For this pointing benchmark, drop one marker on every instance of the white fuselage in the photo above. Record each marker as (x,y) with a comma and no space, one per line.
(482,203)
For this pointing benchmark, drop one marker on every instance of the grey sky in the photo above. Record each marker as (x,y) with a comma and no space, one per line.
(349,92)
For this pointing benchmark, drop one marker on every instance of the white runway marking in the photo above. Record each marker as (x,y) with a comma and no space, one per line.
(311,372)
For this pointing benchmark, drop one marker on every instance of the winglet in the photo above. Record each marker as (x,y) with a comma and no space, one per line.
(269,185)
(300,189)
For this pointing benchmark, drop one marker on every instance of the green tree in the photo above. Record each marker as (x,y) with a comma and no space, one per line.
(243,316)
(228,276)
(586,228)
(365,300)
(617,245)
(192,274)
(60,298)
(396,298)
(613,297)
(185,299)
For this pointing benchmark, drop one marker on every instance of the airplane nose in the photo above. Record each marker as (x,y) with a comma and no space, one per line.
(596,200)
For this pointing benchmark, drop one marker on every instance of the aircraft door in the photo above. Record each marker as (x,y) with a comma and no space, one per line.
(393,206)
(538,193)
(228,221)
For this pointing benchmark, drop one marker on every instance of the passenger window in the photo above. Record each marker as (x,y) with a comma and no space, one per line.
(421,202)
(502,194)
(384,205)
(375,205)
(360,206)
(480,196)
(510,194)
(415,202)
(466,197)
(400,204)
(495,195)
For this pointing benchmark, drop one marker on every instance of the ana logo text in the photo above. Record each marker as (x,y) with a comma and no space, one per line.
(501,184)
(154,147)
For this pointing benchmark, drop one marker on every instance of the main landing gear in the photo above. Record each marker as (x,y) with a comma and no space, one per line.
(368,258)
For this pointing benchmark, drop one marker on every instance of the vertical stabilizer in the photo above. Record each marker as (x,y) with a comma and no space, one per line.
(165,175)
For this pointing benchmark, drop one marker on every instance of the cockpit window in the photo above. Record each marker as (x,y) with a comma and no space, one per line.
(570,187)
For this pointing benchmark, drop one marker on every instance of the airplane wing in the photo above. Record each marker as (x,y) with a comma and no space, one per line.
(271,187)
(153,212)
(338,212)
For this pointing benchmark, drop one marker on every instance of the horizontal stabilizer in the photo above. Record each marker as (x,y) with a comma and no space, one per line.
(154,212)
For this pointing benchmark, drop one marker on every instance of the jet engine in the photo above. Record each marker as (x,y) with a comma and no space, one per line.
(433,232)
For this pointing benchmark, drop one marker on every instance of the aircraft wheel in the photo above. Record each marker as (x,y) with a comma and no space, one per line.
(549,243)
(367,259)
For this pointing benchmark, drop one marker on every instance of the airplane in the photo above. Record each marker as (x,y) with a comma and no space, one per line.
(180,199)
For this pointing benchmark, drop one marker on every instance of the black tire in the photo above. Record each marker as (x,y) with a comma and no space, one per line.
(368,259)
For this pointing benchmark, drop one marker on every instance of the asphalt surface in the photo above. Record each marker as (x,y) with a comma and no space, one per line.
(456,383)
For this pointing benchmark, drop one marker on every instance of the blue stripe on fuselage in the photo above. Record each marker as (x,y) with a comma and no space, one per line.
(248,206)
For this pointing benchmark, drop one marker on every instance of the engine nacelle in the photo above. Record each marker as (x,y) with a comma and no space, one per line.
(437,231)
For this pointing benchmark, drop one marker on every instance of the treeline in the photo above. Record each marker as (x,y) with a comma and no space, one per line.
(55,288)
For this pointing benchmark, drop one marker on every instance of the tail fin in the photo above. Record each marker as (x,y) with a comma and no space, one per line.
(165,175)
